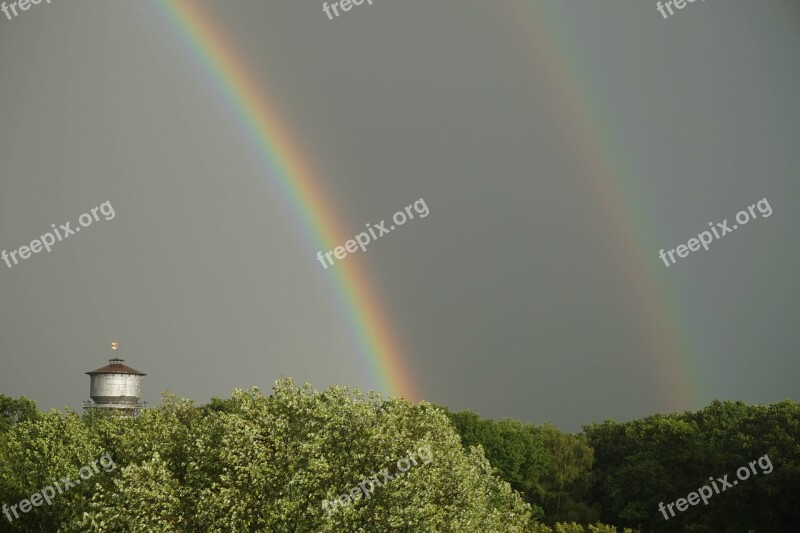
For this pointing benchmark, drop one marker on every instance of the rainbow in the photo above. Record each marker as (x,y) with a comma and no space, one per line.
(596,155)
(589,135)
(259,115)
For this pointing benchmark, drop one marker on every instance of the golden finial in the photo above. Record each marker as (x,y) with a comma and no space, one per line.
(114,346)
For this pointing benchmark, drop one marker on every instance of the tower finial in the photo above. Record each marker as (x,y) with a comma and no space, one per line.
(115,360)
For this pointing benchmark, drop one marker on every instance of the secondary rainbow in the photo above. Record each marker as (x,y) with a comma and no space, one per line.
(294,177)
(605,167)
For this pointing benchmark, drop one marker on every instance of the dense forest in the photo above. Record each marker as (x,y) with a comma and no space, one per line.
(341,460)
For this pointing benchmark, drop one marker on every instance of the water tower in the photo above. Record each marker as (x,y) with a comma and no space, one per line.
(115,387)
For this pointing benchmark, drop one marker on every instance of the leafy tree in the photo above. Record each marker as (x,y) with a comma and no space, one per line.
(574,527)
(40,453)
(511,448)
(144,498)
(266,463)
(567,479)
(15,410)
(551,469)
(665,457)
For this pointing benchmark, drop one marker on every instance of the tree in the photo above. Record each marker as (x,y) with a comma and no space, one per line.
(37,454)
(267,463)
(567,479)
(665,457)
(15,410)
(550,468)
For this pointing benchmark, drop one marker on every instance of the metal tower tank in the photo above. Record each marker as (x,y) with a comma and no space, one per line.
(116,387)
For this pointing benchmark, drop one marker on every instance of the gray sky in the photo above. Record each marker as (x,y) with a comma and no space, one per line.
(512,297)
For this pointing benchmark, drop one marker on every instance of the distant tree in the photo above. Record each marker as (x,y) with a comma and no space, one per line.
(735,434)
(551,469)
(638,463)
(665,457)
(566,482)
(15,410)
(220,405)
(509,445)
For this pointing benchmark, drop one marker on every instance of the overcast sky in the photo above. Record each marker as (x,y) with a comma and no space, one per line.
(514,297)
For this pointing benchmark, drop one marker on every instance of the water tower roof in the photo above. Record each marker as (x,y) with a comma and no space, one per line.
(115,366)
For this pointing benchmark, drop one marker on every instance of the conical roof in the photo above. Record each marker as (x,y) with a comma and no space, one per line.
(115,366)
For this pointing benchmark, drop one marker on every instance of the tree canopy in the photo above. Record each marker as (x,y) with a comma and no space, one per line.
(301,460)
(257,463)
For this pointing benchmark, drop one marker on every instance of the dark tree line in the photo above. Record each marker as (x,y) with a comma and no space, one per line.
(265,463)
(620,472)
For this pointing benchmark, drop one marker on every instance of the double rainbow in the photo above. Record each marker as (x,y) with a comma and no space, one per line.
(600,162)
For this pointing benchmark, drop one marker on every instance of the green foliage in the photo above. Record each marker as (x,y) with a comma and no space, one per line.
(620,472)
(566,481)
(34,453)
(664,457)
(266,463)
(568,528)
(510,446)
(144,498)
(551,469)
(15,410)
(574,527)
(258,463)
